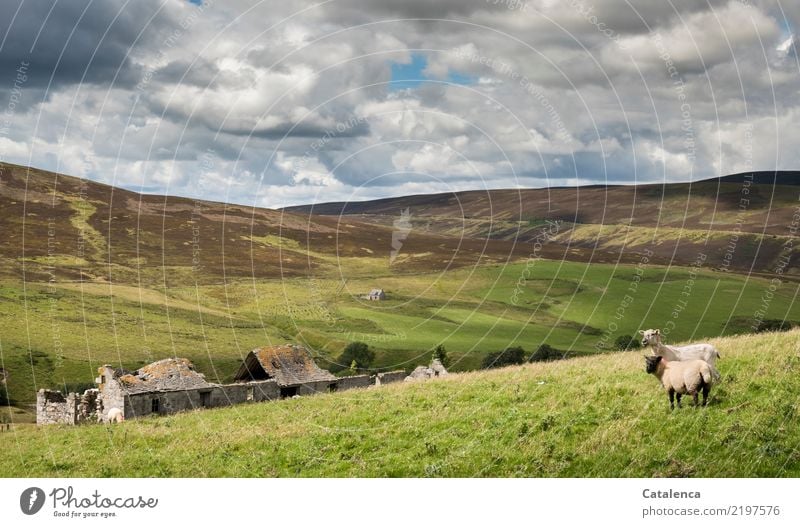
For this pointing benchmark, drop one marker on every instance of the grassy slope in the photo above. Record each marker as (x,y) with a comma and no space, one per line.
(591,416)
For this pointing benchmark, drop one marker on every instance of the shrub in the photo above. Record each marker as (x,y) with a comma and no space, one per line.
(773,325)
(506,357)
(358,354)
(440,353)
(627,342)
(545,352)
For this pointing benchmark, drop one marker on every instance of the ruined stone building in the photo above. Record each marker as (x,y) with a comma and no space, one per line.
(169,386)
(173,385)
(435,369)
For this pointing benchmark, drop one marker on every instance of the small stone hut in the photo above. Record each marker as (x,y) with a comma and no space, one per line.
(377,294)
(290,366)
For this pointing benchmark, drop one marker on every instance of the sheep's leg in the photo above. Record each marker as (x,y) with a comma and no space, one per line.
(694,398)
(678,396)
(706,389)
(671,394)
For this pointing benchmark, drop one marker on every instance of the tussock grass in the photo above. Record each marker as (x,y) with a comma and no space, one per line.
(591,416)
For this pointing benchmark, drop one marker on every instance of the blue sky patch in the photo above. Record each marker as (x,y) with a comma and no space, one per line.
(411,75)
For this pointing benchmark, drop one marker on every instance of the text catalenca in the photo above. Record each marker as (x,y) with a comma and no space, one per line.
(647,493)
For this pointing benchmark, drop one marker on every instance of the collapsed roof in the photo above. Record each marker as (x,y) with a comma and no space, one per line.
(288,364)
(162,376)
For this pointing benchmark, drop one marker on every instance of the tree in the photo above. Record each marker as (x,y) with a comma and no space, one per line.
(627,342)
(545,352)
(441,354)
(358,353)
(507,357)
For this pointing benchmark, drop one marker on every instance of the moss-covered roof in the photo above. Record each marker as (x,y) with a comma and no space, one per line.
(161,376)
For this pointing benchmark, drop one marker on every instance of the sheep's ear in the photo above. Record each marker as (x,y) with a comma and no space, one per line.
(658,332)
(641,332)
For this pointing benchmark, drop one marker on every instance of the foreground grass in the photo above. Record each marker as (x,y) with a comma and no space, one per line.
(592,416)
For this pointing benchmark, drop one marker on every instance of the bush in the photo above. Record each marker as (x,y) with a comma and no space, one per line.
(356,354)
(773,325)
(627,342)
(506,357)
(440,353)
(545,352)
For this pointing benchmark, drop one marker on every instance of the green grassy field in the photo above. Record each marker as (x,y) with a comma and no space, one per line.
(57,335)
(587,416)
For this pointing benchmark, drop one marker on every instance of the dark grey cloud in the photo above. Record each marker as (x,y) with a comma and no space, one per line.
(306,130)
(66,42)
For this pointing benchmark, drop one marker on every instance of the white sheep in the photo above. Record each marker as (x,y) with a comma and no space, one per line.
(115,415)
(703,351)
(681,377)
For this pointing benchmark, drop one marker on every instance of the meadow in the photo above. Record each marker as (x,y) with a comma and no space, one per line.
(56,335)
(600,416)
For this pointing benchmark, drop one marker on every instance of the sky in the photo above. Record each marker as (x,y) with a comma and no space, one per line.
(273,104)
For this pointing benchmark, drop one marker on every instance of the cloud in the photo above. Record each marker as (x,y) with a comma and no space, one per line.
(299,102)
(80,40)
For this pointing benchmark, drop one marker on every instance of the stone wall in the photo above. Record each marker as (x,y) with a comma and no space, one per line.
(111,393)
(239,393)
(389,377)
(263,390)
(354,381)
(313,388)
(140,405)
(89,406)
(53,407)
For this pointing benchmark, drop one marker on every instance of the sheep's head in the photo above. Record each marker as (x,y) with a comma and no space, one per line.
(650,335)
(651,363)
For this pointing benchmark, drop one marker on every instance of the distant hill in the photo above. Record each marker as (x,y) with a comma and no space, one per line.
(54,224)
(781,178)
(743,228)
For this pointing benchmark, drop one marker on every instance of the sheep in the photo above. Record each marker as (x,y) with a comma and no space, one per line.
(681,377)
(115,415)
(704,352)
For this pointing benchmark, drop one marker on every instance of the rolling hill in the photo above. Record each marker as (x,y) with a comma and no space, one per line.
(593,416)
(71,229)
(743,222)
